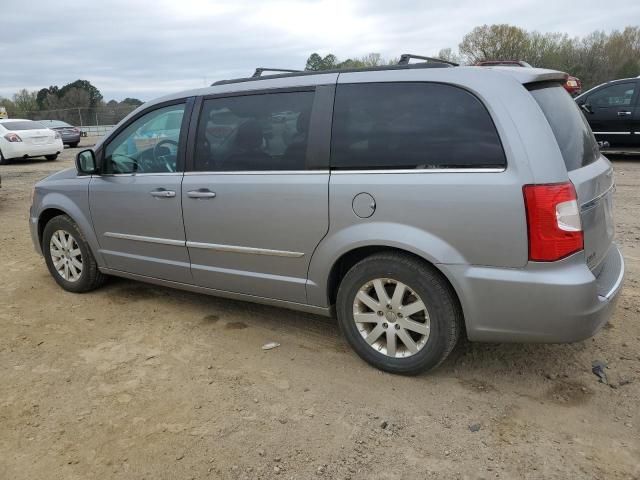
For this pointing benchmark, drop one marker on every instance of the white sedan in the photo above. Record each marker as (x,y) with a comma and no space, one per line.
(26,138)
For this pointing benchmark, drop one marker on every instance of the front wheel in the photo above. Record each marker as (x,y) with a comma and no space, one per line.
(398,313)
(51,157)
(68,256)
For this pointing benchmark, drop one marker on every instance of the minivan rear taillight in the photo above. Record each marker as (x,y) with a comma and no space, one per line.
(553,221)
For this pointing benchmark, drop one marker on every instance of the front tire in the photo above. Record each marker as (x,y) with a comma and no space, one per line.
(51,157)
(68,256)
(398,313)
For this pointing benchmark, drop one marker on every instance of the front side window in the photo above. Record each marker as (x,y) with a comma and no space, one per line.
(147,145)
(254,132)
(619,95)
(412,126)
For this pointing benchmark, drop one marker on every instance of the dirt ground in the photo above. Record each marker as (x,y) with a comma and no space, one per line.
(135,381)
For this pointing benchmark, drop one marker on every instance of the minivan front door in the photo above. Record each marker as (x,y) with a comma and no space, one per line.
(136,203)
(256,205)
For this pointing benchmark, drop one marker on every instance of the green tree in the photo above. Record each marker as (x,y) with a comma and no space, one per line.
(316,63)
(132,101)
(43,93)
(95,97)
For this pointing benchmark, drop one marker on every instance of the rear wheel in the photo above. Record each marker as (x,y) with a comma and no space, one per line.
(3,161)
(51,157)
(68,256)
(73,145)
(398,313)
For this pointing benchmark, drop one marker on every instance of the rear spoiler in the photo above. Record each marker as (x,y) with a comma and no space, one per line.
(533,75)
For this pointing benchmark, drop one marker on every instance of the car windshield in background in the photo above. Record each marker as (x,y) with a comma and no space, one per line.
(55,123)
(22,125)
(572,132)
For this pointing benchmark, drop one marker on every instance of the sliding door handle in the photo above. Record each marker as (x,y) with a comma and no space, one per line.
(201,193)
(162,193)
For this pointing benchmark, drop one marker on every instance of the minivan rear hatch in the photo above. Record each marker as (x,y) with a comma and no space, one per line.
(589,171)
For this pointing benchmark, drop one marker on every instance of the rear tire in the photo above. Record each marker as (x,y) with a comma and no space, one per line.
(3,161)
(51,157)
(68,256)
(394,335)
(73,145)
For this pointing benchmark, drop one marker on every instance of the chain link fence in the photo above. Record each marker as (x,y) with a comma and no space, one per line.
(91,121)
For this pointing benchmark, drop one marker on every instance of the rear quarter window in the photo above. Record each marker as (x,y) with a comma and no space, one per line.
(412,126)
(571,130)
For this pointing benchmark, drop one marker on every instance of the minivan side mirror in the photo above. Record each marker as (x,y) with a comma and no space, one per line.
(86,162)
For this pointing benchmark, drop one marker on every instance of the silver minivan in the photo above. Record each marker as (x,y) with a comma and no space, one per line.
(417,203)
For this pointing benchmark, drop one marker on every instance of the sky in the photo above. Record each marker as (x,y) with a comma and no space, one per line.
(148,48)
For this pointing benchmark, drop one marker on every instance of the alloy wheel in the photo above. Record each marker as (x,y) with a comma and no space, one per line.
(66,255)
(391,318)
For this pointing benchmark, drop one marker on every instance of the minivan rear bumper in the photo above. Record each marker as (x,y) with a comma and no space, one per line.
(556,302)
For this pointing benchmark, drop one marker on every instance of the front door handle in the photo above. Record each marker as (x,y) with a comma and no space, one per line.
(162,193)
(624,113)
(201,193)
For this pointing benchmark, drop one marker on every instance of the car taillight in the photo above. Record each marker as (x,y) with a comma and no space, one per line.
(13,137)
(553,221)
(76,130)
(572,83)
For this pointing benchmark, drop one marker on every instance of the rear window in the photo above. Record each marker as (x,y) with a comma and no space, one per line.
(412,126)
(54,123)
(22,125)
(572,132)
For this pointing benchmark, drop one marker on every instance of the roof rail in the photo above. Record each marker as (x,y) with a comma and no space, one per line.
(405,57)
(297,73)
(258,72)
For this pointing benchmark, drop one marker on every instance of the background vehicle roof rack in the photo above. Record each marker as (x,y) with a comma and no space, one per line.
(258,72)
(405,57)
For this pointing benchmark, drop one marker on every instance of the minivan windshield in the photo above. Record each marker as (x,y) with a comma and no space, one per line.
(573,134)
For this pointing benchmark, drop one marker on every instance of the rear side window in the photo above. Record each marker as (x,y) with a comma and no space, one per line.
(572,132)
(22,125)
(412,126)
(254,132)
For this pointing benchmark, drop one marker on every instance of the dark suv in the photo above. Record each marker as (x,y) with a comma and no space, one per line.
(613,111)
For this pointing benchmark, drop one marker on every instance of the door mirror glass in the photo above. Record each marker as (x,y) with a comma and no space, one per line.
(86,162)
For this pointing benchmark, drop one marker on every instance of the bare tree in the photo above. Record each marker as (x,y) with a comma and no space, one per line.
(448,55)
(489,42)
(25,101)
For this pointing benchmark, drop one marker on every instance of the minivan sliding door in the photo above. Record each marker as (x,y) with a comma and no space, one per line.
(256,201)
